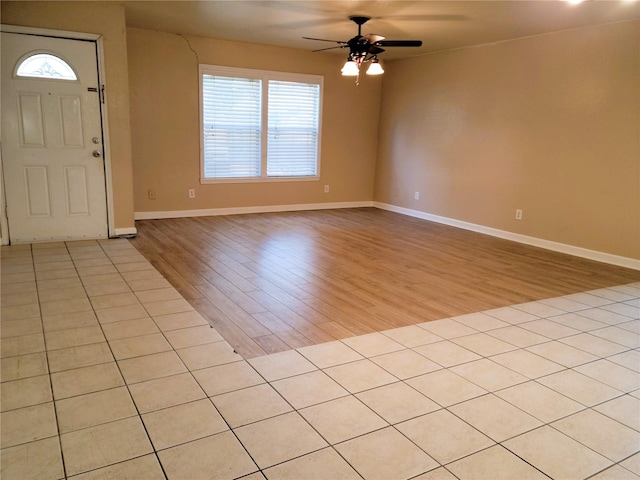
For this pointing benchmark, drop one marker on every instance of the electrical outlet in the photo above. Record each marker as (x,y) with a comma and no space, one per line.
(417,196)
(518,214)
(192,193)
(151,194)
(326,189)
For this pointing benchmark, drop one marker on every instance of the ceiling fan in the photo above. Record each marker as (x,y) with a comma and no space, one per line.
(364,48)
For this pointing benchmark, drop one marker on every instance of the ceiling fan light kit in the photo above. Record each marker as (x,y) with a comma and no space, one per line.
(365,48)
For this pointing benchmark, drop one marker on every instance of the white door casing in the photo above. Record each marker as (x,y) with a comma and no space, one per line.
(52,143)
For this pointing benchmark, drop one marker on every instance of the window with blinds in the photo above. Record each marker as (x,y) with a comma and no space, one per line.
(259,125)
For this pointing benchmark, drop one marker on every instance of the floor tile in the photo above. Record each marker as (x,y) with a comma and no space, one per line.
(600,433)
(281,365)
(15,299)
(71,293)
(129,328)
(483,344)
(385,454)
(579,387)
(65,306)
(321,465)
(563,354)
(342,419)
(615,473)
(250,405)
(227,378)
(120,314)
(148,284)
(279,439)
(412,336)
(488,375)
(308,389)
(619,336)
(19,328)
(578,322)
(494,463)
(397,402)
(548,449)
(158,295)
(102,445)
(219,456)
(360,375)
(19,312)
(63,321)
(25,392)
(84,380)
(511,315)
(625,409)
(114,300)
(139,346)
(24,366)
(540,401)
(208,355)
(192,336)
(405,364)
(101,279)
(22,345)
(612,374)
(447,328)
(446,388)
(564,303)
(549,329)
(480,321)
(494,417)
(73,337)
(539,309)
(94,409)
(146,467)
(587,299)
(527,363)
(165,392)
(28,424)
(107,289)
(330,354)
(40,460)
(82,356)
(373,344)
(167,306)
(446,446)
(604,316)
(440,473)
(183,423)
(447,353)
(632,464)
(179,320)
(149,367)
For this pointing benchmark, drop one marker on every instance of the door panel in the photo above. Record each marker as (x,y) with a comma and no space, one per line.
(54,172)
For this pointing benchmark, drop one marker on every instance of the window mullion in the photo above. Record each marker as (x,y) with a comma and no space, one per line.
(264,125)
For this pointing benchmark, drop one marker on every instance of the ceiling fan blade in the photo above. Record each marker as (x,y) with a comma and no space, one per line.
(373,50)
(329,48)
(324,40)
(373,37)
(399,43)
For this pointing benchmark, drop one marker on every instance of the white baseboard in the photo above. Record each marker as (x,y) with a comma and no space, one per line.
(210,212)
(125,232)
(516,237)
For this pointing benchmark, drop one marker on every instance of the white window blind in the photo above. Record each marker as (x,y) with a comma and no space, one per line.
(231,126)
(292,145)
(259,125)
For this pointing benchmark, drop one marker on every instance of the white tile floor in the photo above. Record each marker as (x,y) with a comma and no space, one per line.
(108,373)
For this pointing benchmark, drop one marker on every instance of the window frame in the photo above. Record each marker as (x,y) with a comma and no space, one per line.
(264,76)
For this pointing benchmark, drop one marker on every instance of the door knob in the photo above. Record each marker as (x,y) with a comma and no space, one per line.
(97,153)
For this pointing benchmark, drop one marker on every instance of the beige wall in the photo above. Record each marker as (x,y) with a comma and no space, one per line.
(163,72)
(547,124)
(106,19)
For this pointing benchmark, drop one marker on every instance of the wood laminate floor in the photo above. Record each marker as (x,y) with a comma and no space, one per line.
(273,282)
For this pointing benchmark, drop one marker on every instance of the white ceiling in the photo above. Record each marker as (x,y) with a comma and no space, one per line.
(441,25)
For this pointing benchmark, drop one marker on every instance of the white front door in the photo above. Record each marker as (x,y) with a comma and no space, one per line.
(52,153)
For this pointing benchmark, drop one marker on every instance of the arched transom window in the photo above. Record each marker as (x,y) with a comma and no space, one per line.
(45,65)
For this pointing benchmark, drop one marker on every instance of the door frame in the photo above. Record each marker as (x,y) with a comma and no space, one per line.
(99,42)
